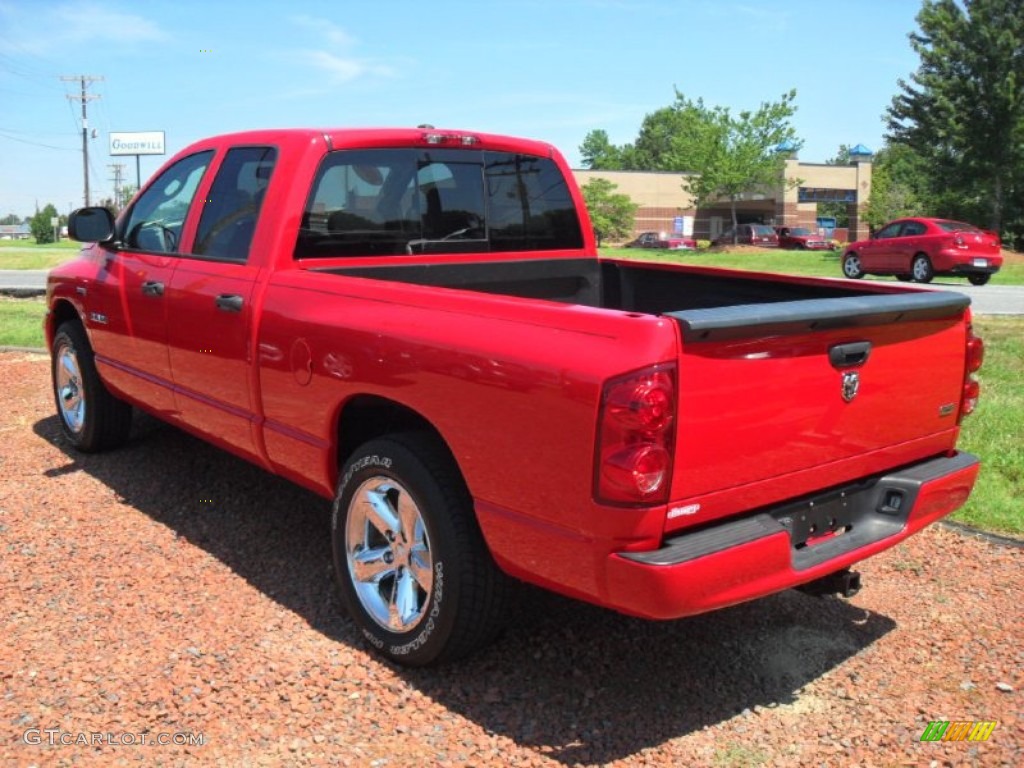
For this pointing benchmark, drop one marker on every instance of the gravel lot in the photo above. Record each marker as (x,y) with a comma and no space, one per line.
(168,588)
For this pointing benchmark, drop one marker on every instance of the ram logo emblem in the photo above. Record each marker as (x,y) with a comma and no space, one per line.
(851,385)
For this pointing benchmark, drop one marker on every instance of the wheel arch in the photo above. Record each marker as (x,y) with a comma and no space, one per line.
(366,417)
(61,312)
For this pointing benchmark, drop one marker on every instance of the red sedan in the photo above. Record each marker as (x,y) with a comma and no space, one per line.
(919,249)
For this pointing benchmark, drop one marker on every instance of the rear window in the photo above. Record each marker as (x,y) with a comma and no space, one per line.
(762,229)
(954,226)
(389,202)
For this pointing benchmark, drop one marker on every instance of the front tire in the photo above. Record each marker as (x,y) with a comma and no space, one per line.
(91,418)
(412,566)
(851,266)
(921,269)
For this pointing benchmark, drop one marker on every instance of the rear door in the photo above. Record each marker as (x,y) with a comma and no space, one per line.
(910,243)
(209,304)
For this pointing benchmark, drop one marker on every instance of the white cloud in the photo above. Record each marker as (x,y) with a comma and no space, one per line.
(93,22)
(332,32)
(335,60)
(74,23)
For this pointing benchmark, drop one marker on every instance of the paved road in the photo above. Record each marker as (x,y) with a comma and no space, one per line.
(22,280)
(985,300)
(988,299)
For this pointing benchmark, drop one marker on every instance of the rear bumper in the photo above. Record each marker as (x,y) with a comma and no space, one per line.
(959,262)
(788,545)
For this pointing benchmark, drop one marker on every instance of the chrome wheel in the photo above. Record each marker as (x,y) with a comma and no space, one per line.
(388,554)
(70,391)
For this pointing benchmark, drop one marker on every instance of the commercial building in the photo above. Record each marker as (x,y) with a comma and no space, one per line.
(666,206)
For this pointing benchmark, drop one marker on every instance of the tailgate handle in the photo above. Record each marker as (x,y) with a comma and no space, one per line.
(849,355)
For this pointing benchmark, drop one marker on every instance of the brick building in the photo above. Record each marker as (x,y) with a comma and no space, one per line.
(792,202)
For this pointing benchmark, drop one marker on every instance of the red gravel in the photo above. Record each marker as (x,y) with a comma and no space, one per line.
(167,588)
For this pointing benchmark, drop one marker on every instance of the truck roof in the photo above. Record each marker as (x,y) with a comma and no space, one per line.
(340,138)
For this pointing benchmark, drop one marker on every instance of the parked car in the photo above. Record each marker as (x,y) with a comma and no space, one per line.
(801,238)
(919,249)
(661,240)
(749,234)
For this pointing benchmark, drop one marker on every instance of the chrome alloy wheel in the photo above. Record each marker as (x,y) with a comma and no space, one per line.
(70,392)
(388,554)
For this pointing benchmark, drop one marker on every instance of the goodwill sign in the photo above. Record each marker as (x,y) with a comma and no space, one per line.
(137,143)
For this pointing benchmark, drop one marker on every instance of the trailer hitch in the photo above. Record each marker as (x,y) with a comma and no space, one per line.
(845,583)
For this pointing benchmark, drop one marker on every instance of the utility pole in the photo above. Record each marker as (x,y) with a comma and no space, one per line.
(118,169)
(85,81)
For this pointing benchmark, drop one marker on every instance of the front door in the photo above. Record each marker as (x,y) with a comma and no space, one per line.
(128,316)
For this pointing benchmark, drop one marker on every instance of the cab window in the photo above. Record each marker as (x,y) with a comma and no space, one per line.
(384,202)
(155,222)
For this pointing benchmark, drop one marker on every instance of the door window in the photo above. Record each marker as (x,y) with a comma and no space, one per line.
(155,222)
(892,230)
(236,196)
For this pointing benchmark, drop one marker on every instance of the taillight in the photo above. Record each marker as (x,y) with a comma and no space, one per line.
(975,356)
(959,242)
(635,437)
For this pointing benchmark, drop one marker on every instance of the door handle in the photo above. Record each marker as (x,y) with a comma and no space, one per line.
(849,355)
(153,288)
(230,302)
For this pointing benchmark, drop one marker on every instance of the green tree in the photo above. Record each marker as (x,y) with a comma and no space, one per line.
(40,226)
(11,218)
(899,186)
(611,213)
(730,154)
(963,109)
(598,153)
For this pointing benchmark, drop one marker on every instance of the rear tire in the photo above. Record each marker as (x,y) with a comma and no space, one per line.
(979,279)
(851,266)
(91,418)
(412,566)
(921,269)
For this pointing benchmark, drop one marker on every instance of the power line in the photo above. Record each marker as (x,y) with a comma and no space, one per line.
(85,81)
(35,143)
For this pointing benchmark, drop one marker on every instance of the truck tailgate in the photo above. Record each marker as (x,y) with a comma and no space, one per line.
(773,393)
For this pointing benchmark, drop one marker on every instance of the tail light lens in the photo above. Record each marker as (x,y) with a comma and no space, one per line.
(975,356)
(636,430)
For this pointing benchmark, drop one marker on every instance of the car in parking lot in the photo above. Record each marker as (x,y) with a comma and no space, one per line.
(661,240)
(919,248)
(748,234)
(803,239)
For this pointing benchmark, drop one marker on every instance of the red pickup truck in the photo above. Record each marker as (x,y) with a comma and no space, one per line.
(415,324)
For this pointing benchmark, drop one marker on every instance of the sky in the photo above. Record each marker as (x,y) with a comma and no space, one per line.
(545,69)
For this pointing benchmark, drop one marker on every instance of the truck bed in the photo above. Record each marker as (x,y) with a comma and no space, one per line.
(709,304)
